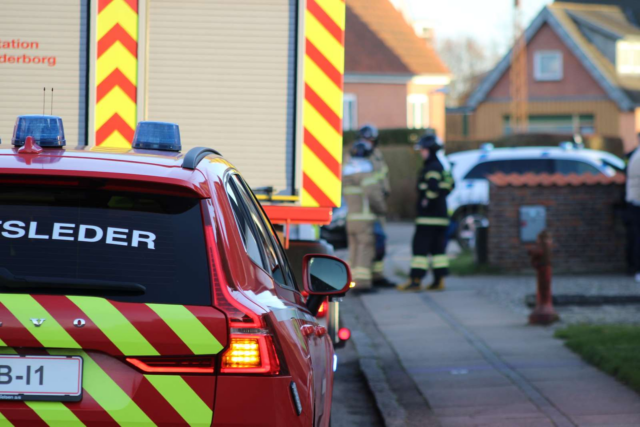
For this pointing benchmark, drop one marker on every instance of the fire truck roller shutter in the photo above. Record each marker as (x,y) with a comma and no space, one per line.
(224,70)
(44,44)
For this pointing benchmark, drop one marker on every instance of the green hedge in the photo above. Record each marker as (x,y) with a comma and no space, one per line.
(389,136)
(611,145)
(404,162)
(408,137)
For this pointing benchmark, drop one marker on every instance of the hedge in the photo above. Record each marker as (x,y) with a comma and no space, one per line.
(408,137)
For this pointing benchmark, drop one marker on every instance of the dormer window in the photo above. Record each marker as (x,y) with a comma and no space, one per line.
(628,57)
(547,66)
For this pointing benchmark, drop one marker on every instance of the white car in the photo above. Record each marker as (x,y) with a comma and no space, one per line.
(470,198)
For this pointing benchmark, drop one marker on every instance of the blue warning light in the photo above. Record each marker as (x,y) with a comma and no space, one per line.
(47,131)
(162,136)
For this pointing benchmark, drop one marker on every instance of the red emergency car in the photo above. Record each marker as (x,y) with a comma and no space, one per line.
(147,287)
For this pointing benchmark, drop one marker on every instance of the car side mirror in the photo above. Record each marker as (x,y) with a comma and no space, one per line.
(324,276)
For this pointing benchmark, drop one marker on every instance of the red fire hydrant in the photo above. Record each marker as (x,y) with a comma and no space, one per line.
(543,314)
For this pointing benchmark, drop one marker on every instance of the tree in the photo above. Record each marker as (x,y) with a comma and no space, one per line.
(468,62)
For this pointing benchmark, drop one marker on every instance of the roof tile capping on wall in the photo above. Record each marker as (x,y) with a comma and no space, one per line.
(584,216)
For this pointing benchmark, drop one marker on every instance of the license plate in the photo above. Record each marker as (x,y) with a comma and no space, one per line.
(57,378)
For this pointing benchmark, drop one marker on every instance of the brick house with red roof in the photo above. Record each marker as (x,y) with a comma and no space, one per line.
(583,76)
(393,78)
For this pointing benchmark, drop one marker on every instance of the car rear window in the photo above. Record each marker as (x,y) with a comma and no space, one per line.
(156,241)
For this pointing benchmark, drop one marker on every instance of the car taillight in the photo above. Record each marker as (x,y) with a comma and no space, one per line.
(250,354)
(173,365)
(344,334)
(324,308)
(239,315)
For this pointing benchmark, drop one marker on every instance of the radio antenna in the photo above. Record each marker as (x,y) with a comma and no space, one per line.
(44,92)
(52,101)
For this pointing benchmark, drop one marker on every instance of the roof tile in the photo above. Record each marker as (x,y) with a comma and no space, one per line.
(553,180)
(375,29)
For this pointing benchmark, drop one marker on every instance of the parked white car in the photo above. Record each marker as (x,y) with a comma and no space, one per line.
(469,200)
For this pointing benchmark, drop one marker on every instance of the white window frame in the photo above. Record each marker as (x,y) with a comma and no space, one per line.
(538,73)
(631,48)
(350,99)
(417,111)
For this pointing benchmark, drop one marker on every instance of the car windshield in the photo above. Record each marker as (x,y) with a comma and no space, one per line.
(93,236)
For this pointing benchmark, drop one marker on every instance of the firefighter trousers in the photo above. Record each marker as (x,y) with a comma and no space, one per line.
(380,249)
(361,252)
(429,240)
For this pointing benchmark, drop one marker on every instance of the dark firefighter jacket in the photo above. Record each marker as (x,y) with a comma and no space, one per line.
(434,184)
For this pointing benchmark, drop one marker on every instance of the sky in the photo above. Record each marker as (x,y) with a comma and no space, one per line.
(487,21)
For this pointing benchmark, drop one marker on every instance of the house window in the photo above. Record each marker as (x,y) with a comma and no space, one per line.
(417,111)
(567,124)
(628,57)
(350,114)
(547,66)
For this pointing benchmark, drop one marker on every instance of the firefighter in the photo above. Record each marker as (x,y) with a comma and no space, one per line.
(365,203)
(368,134)
(430,238)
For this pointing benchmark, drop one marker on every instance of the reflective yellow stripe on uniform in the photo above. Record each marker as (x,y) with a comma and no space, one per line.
(440,261)
(432,195)
(361,217)
(445,185)
(420,262)
(444,222)
(352,190)
(434,175)
(371,180)
(378,267)
(423,186)
(361,273)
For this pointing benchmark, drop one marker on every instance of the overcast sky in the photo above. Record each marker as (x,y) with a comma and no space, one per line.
(488,21)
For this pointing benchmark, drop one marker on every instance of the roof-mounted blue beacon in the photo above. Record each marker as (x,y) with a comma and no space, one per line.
(162,136)
(47,131)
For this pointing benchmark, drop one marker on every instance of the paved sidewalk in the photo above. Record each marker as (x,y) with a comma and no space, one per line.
(477,363)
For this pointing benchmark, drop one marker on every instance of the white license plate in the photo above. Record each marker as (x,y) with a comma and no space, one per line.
(41,378)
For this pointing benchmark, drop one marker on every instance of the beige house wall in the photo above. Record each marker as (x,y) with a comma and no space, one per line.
(628,130)
(383,105)
(435,113)
(489,117)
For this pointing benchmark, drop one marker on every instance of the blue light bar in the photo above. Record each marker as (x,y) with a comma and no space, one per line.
(47,131)
(162,136)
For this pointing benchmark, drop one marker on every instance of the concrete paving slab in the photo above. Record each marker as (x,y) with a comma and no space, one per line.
(515,410)
(557,371)
(596,396)
(618,420)
(477,396)
(519,421)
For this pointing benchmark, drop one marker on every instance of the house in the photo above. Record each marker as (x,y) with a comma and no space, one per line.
(393,78)
(583,63)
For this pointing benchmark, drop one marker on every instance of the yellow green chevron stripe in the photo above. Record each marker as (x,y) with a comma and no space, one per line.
(183,399)
(187,326)
(50,333)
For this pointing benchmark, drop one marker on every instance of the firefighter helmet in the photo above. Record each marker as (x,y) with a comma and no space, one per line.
(368,132)
(361,149)
(429,142)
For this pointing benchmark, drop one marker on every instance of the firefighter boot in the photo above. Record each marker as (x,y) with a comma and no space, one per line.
(438,283)
(412,285)
(383,283)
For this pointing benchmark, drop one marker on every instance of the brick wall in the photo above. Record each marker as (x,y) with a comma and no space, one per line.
(584,220)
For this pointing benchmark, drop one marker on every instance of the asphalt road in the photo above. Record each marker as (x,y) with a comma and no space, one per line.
(353,404)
